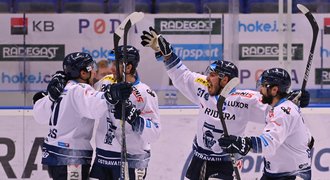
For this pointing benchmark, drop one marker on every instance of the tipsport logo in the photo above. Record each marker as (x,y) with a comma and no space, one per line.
(198,52)
(21,78)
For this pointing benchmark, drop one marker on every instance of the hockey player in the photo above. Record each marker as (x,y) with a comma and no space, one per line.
(285,141)
(141,130)
(67,150)
(209,160)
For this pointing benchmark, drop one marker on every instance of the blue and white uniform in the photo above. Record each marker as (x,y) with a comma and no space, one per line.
(239,108)
(71,122)
(138,143)
(284,142)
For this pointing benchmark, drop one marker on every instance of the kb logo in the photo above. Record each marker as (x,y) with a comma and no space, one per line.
(43,26)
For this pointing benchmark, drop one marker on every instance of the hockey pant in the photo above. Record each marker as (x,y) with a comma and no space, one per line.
(68,172)
(113,173)
(209,169)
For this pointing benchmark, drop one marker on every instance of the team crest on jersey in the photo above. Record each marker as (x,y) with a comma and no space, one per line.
(202,81)
(110,135)
(208,137)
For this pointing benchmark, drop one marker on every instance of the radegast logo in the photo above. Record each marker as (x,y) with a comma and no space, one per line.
(199,52)
(326,25)
(32,52)
(322,76)
(268,52)
(18,26)
(188,25)
(258,26)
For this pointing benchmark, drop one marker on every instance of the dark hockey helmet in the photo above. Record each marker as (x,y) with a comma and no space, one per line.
(133,56)
(276,77)
(223,68)
(75,62)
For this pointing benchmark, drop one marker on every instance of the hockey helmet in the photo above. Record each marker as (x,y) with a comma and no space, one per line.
(133,56)
(75,62)
(276,77)
(223,68)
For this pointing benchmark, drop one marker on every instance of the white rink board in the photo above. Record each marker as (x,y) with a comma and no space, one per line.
(19,151)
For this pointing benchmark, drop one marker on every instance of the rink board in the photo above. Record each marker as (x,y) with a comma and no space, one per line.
(21,136)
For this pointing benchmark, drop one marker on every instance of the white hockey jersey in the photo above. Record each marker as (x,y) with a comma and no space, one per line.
(239,108)
(285,141)
(108,135)
(71,122)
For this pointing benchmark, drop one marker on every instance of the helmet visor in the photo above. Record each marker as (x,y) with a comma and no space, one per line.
(212,69)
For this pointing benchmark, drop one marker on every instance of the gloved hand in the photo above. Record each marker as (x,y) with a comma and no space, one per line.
(235,144)
(116,92)
(38,96)
(150,39)
(56,85)
(132,116)
(300,98)
(156,41)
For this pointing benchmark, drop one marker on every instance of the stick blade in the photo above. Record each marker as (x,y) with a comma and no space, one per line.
(133,18)
(302,8)
(229,87)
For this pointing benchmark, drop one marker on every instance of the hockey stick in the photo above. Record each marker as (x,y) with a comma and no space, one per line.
(121,32)
(223,95)
(315,29)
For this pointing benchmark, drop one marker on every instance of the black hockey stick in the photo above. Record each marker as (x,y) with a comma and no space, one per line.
(223,95)
(315,29)
(121,32)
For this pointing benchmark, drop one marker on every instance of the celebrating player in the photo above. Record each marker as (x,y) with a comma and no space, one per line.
(209,160)
(285,141)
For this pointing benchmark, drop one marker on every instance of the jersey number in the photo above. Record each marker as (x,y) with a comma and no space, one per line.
(54,118)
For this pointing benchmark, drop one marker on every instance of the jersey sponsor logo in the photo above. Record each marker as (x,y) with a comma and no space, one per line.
(137,94)
(215,114)
(152,93)
(148,123)
(286,109)
(236,104)
(109,78)
(108,162)
(63,144)
(243,94)
(207,157)
(202,81)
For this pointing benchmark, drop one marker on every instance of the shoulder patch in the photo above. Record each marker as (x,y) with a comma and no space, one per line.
(109,78)
(202,81)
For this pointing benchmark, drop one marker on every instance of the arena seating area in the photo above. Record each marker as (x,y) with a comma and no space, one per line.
(154,6)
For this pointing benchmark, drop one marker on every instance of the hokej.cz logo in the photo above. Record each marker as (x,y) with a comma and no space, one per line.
(19,26)
(32,52)
(198,52)
(188,25)
(326,25)
(268,52)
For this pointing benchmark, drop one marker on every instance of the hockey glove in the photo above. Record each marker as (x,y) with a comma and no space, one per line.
(235,144)
(150,39)
(300,98)
(116,92)
(56,85)
(132,116)
(38,96)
